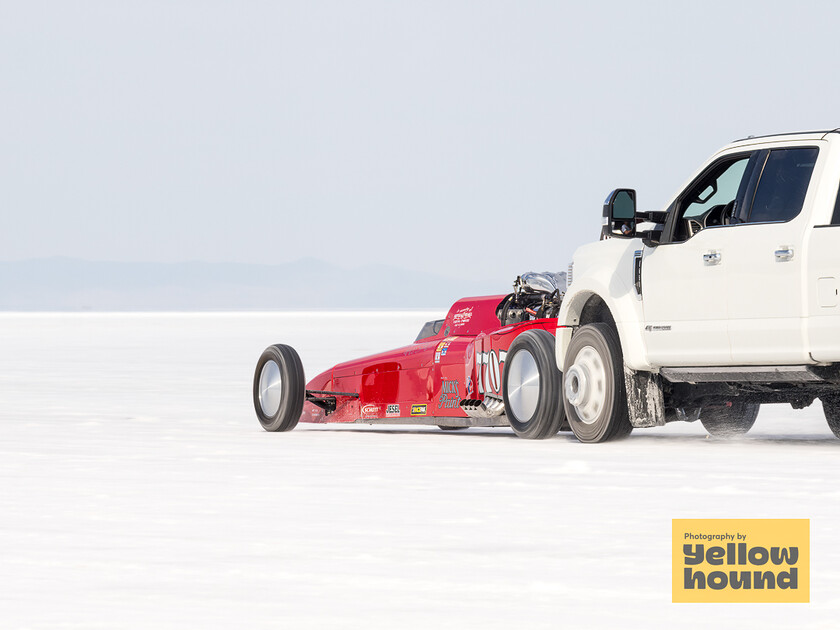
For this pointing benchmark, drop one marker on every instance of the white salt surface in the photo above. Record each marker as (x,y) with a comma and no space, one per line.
(137,490)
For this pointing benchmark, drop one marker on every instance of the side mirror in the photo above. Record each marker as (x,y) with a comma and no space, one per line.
(620,214)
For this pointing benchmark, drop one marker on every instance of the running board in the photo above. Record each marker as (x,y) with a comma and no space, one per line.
(440,421)
(743,374)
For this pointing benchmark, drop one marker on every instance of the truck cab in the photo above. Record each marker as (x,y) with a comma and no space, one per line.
(730,296)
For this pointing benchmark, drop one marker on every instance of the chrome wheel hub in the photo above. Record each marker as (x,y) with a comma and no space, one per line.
(523,385)
(270,388)
(585,384)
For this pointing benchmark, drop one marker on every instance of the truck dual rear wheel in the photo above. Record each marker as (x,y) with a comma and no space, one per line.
(831,408)
(531,386)
(593,385)
(279,388)
(730,420)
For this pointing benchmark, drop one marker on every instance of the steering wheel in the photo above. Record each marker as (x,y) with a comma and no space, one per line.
(728,214)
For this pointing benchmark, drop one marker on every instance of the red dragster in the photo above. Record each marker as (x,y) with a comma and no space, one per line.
(489,363)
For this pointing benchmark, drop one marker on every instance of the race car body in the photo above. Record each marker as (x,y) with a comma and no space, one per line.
(456,373)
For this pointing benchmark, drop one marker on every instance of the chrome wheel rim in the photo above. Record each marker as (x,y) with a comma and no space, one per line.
(523,385)
(585,384)
(270,388)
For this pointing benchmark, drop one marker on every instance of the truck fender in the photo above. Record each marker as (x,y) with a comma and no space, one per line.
(607,274)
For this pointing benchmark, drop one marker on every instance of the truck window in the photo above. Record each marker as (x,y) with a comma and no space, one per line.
(720,189)
(783,184)
(714,197)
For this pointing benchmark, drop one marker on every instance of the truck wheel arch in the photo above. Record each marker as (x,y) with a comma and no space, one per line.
(589,307)
(645,403)
(586,307)
(596,311)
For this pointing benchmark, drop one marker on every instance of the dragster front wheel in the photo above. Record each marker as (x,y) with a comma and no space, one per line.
(279,388)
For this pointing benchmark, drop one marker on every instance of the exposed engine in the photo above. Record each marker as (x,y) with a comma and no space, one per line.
(535,296)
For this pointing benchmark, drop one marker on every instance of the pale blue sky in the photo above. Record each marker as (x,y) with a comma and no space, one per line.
(459,137)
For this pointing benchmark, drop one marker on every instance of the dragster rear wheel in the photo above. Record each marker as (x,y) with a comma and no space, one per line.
(279,388)
(531,386)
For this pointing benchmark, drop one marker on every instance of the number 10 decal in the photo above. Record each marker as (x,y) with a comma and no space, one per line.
(488,366)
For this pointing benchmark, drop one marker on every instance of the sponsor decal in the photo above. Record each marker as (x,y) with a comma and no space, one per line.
(392,410)
(488,366)
(740,560)
(462,316)
(371,411)
(449,396)
(442,348)
(469,386)
(418,410)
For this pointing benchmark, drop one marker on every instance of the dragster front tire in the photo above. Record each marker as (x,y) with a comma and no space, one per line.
(279,388)
(531,386)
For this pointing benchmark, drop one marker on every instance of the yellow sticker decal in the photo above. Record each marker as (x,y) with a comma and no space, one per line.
(740,560)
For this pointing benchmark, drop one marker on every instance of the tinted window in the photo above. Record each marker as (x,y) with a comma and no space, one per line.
(718,189)
(783,184)
(430,329)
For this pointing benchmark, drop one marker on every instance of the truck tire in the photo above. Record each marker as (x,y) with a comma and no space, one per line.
(593,390)
(729,421)
(831,408)
(531,386)
(279,388)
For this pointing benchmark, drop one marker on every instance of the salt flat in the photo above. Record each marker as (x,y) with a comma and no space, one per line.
(137,490)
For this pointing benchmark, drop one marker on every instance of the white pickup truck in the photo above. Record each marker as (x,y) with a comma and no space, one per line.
(728,301)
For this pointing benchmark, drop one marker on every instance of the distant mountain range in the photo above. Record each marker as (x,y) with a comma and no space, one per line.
(68,284)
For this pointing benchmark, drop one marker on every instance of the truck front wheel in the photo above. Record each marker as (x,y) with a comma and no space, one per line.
(593,385)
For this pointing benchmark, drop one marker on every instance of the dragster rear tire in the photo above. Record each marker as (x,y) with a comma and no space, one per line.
(279,388)
(531,386)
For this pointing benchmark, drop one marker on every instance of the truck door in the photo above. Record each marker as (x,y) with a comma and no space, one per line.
(765,260)
(823,286)
(684,290)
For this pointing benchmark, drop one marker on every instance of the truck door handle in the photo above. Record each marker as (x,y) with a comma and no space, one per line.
(711,258)
(784,254)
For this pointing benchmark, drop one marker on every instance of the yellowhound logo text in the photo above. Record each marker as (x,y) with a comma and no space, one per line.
(740,560)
